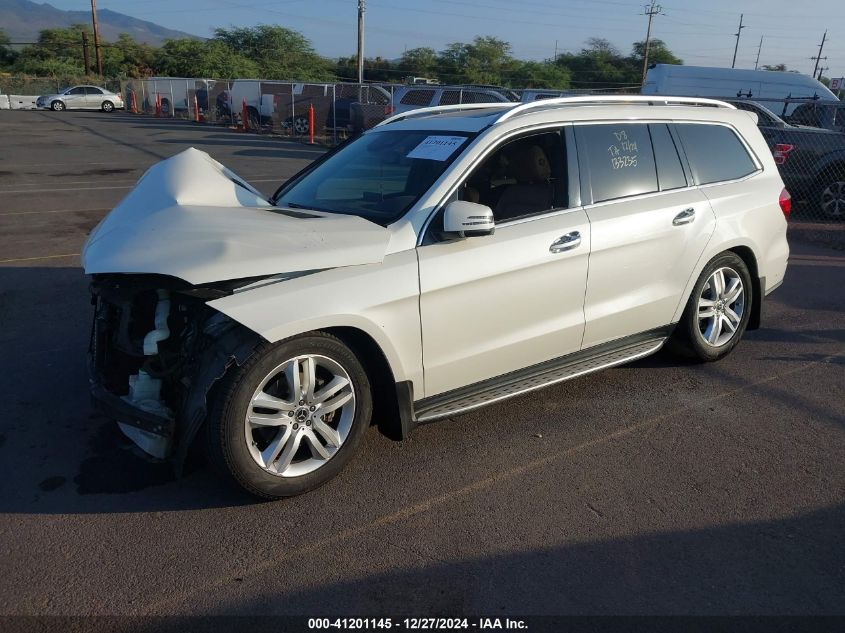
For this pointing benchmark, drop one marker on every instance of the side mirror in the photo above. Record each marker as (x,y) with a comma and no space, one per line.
(468,219)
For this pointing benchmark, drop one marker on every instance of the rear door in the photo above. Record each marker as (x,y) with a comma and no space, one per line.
(648,225)
(75,98)
(93,97)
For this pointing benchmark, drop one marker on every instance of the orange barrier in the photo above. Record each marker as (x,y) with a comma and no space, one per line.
(158,104)
(311,123)
(245,116)
(196,110)
(134,104)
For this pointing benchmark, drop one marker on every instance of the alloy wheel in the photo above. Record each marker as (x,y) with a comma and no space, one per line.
(721,306)
(300,415)
(833,199)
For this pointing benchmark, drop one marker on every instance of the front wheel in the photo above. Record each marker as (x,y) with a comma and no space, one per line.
(57,106)
(717,312)
(291,417)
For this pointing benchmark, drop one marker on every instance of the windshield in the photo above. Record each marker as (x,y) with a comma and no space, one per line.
(378,176)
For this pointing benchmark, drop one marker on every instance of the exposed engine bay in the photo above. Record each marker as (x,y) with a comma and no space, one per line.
(156,351)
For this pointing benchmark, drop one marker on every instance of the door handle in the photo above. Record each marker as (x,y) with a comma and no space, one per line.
(684,217)
(566,242)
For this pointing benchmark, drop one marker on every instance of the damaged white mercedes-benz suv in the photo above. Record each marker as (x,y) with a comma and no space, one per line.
(447,259)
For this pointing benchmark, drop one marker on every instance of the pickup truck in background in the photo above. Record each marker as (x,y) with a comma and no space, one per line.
(811,160)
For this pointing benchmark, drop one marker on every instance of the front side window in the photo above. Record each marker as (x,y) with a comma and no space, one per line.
(378,176)
(619,159)
(715,153)
(523,177)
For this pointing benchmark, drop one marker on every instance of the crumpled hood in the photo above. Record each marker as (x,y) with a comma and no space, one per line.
(190,217)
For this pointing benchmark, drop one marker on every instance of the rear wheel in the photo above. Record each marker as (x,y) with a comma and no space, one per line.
(107,106)
(291,417)
(831,196)
(717,312)
(300,125)
(57,106)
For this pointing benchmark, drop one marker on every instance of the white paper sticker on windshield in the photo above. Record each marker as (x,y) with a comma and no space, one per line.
(437,147)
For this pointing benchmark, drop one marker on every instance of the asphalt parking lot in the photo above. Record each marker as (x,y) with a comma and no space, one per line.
(654,488)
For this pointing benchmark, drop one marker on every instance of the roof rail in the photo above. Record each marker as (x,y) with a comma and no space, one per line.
(438,109)
(611,99)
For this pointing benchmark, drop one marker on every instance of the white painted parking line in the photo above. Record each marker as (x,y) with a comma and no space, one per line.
(32,259)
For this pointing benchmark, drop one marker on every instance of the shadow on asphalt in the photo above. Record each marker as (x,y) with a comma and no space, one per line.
(791,566)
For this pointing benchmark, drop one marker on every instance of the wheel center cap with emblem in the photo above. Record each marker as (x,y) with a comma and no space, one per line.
(302,414)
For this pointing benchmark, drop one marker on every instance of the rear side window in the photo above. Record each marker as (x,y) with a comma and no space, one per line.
(471,96)
(93,91)
(620,160)
(715,153)
(450,97)
(417,97)
(670,173)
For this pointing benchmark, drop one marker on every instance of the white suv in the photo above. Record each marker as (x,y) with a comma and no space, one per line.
(447,259)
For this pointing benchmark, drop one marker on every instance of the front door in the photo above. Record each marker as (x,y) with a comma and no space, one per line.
(494,304)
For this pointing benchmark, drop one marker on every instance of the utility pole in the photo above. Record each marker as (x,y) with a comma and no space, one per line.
(555,50)
(759,48)
(736,48)
(360,42)
(650,10)
(822,71)
(97,52)
(86,60)
(819,56)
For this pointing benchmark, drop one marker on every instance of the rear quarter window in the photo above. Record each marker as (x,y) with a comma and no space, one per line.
(715,153)
(417,97)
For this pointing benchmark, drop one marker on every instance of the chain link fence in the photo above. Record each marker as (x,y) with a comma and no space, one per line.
(807,139)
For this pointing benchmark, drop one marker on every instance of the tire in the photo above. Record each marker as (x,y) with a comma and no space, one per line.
(165,106)
(107,106)
(57,106)
(830,196)
(714,322)
(300,125)
(254,118)
(270,449)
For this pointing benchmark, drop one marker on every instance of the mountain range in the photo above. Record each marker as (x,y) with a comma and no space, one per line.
(23,19)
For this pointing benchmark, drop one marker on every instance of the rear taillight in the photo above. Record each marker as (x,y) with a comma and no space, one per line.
(785,202)
(781,152)
(388,109)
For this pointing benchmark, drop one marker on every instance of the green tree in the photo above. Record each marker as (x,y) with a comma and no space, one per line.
(419,62)
(7,55)
(188,57)
(540,75)
(487,60)
(279,53)
(57,52)
(127,58)
(375,69)
(600,65)
(658,53)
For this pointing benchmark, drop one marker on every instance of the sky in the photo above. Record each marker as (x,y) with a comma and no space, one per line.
(701,33)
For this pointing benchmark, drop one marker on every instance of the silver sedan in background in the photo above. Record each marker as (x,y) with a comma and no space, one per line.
(81,98)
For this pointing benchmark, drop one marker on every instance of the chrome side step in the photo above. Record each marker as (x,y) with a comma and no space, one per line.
(525,380)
